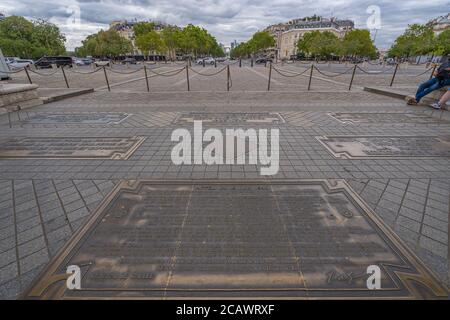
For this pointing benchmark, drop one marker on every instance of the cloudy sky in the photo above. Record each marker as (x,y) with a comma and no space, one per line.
(227,20)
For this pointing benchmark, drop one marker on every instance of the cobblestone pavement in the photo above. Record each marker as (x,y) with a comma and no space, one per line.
(43,201)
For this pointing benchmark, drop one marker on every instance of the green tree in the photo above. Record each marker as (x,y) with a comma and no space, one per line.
(141,28)
(30,39)
(416,40)
(171,38)
(319,44)
(357,43)
(104,44)
(260,41)
(150,42)
(442,43)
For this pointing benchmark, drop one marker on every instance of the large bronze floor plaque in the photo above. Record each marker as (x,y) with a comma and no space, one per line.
(385,117)
(172,239)
(381,147)
(232,118)
(69,148)
(75,118)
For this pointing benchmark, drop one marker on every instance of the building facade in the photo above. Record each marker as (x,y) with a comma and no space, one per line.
(288,34)
(440,24)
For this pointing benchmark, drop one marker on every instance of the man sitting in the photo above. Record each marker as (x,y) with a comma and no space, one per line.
(441,79)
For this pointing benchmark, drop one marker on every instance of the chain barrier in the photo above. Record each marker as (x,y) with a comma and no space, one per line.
(14,71)
(166,74)
(80,72)
(418,75)
(208,75)
(294,74)
(119,72)
(44,74)
(374,72)
(335,74)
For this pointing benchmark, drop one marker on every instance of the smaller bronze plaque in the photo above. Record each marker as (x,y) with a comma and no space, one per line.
(380,147)
(69,147)
(230,118)
(384,117)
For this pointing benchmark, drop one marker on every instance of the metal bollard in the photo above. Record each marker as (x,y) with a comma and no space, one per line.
(270,77)
(228,77)
(106,78)
(203,63)
(65,77)
(393,76)
(240,62)
(215,63)
(187,78)
(353,76)
(310,77)
(146,78)
(28,74)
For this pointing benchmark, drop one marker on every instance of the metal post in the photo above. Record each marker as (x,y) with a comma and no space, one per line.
(228,78)
(432,72)
(310,77)
(215,63)
(203,63)
(146,78)
(353,76)
(28,75)
(393,76)
(240,62)
(106,78)
(270,77)
(187,78)
(65,77)
(252,63)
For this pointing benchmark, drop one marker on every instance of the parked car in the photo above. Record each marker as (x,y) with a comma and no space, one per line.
(129,61)
(263,60)
(102,63)
(208,60)
(83,62)
(20,63)
(220,59)
(47,62)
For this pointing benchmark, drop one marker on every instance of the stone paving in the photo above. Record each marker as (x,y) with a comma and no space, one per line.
(43,201)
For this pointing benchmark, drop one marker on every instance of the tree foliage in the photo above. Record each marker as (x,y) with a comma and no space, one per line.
(20,37)
(260,41)
(104,44)
(357,43)
(420,40)
(150,42)
(319,44)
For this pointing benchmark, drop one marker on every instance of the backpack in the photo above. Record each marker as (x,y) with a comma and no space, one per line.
(443,74)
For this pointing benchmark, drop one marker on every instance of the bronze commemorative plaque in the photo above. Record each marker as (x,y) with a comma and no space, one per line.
(75,118)
(233,118)
(69,147)
(385,117)
(380,147)
(238,239)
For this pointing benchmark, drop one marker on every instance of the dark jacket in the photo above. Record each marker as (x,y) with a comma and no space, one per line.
(442,73)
